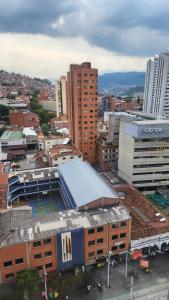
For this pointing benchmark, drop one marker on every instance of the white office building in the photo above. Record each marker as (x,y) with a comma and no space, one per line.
(156,93)
(61,98)
(144,153)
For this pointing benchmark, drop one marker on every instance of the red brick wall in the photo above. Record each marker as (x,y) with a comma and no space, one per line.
(97,235)
(82,87)
(23,119)
(11,253)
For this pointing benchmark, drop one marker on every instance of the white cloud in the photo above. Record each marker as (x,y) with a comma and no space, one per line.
(47,57)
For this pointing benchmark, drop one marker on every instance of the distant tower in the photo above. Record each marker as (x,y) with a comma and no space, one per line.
(156,92)
(61,96)
(82,95)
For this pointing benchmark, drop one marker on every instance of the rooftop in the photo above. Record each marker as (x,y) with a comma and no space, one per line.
(84,183)
(36,174)
(11,135)
(62,150)
(27,228)
(29,131)
(146,219)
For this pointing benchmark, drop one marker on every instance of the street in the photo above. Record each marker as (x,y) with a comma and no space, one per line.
(148,286)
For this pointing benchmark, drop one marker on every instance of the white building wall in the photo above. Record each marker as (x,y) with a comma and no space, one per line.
(125,159)
(63,95)
(64,159)
(156,93)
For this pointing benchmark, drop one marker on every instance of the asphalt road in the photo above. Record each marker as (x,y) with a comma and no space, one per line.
(151,286)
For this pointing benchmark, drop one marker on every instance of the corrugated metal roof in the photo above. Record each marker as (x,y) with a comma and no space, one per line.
(84,183)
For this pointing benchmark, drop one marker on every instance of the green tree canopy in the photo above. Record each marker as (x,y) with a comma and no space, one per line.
(28,282)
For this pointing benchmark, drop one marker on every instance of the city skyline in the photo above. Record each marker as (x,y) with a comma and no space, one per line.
(37,39)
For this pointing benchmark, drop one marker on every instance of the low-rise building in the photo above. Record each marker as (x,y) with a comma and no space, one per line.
(60,154)
(24,119)
(52,140)
(107,155)
(31,137)
(13,145)
(77,238)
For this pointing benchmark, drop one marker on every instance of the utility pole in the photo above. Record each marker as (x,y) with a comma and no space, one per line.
(108,258)
(126,271)
(131,291)
(108,270)
(45,280)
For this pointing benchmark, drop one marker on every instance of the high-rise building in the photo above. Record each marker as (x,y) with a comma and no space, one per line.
(156,93)
(61,98)
(82,86)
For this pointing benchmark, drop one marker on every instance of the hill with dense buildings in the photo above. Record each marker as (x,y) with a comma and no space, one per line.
(120,82)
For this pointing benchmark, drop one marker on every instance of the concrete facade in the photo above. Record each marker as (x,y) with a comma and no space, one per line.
(144,153)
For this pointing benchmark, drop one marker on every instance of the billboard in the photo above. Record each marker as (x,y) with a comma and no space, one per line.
(66,246)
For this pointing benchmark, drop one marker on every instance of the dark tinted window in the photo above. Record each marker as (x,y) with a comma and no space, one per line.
(99,229)
(36,244)
(114,237)
(8,263)
(19,261)
(91,243)
(90,231)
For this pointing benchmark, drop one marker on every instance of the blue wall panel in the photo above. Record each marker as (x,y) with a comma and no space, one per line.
(77,249)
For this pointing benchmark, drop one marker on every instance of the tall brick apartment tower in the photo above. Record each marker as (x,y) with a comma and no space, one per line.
(82,86)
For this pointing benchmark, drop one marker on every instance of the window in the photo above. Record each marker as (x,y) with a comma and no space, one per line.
(36,244)
(100,241)
(90,231)
(122,235)
(39,268)
(50,265)
(37,256)
(8,263)
(48,241)
(100,251)
(90,243)
(114,248)
(115,226)
(19,261)
(91,254)
(123,224)
(9,276)
(114,237)
(99,229)
(48,253)
(122,246)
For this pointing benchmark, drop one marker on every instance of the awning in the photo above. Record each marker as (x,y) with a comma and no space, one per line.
(136,254)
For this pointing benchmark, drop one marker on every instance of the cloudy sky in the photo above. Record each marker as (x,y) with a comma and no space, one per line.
(42,37)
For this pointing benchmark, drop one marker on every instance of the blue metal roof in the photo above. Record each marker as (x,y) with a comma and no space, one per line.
(84,183)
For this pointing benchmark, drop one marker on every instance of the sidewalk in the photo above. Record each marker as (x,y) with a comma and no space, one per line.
(151,286)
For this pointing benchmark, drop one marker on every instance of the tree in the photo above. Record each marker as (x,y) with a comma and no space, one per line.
(2,131)
(84,279)
(28,282)
(45,129)
(4,111)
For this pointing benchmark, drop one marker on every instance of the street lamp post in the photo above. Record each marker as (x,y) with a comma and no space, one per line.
(108,258)
(45,280)
(108,270)
(126,271)
(131,291)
